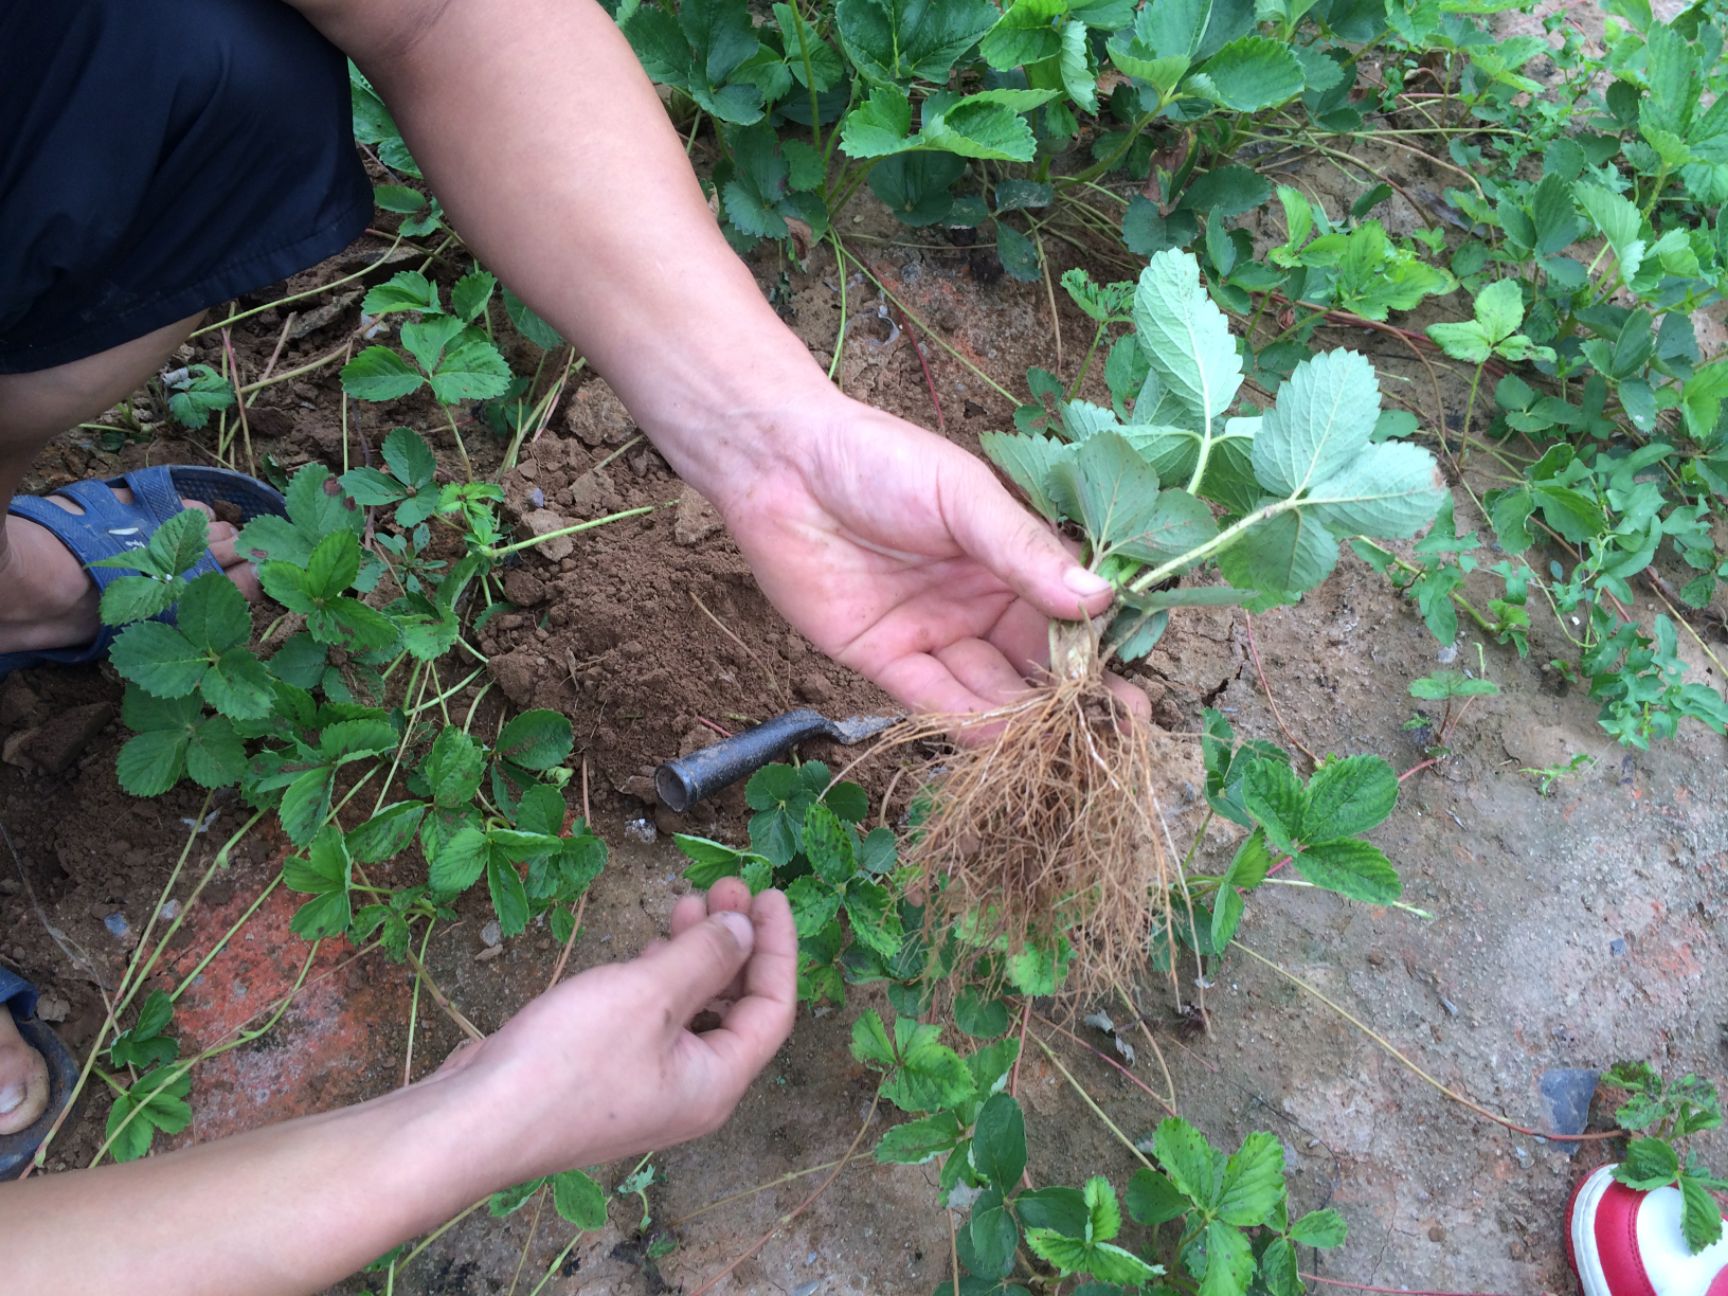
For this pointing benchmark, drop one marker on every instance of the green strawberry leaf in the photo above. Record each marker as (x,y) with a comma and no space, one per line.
(1352,868)
(379,374)
(920,1141)
(159,659)
(536,740)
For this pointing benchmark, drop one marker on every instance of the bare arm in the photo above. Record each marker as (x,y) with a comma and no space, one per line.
(896,552)
(556,161)
(598,1068)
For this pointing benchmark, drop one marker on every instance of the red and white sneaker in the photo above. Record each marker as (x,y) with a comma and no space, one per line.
(1623,1242)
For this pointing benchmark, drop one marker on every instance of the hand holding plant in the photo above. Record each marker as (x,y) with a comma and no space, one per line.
(902,556)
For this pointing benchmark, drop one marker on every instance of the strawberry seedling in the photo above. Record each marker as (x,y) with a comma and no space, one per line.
(1053,825)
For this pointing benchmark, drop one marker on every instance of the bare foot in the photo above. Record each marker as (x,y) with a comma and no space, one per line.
(23,1079)
(47,599)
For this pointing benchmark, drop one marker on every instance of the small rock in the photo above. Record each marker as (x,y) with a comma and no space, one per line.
(12,750)
(517,673)
(640,786)
(62,738)
(814,687)
(1566,1091)
(696,519)
(117,925)
(593,495)
(1617,947)
(596,417)
(53,1008)
(543,522)
(642,830)
(1437,1234)
(491,933)
(523,588)
(17,702)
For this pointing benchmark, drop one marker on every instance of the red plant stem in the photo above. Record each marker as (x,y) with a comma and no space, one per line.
(1417,769)
(918,350)
(905,326)
(1104,1057)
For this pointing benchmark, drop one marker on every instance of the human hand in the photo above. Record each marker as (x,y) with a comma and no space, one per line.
(605,1065)
(900,555)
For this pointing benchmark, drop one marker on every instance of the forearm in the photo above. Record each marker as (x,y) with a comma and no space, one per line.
(556,161)
(287,1209)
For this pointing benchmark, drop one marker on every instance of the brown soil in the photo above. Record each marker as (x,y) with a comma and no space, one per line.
(1572,929)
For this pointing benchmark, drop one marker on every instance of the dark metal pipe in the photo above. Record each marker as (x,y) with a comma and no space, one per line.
(683,782)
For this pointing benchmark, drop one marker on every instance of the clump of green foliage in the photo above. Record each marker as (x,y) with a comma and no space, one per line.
(1662,1115)
(335,725)
(1209,1223)
(1053,825)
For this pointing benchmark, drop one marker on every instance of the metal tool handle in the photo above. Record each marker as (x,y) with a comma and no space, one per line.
(683,782)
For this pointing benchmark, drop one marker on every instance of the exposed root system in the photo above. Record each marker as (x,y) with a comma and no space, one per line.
(1050,825)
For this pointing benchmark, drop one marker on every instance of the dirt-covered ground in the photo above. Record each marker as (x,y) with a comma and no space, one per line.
(1569,930)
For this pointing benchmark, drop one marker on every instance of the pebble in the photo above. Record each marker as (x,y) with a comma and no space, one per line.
(491,933)
(1566,1092)
(117,925)
(1617,947)
(1437,1234)
(642,830)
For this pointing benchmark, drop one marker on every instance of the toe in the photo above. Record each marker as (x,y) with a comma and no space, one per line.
(245,576)
(203,508)
(23,1080)
(224,537)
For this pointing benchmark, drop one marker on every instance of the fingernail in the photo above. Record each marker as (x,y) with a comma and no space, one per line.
(11,1097)
(1085,583)
(743,931)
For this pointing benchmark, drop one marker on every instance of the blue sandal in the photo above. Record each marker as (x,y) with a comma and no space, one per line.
(19,996)
(107,527)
